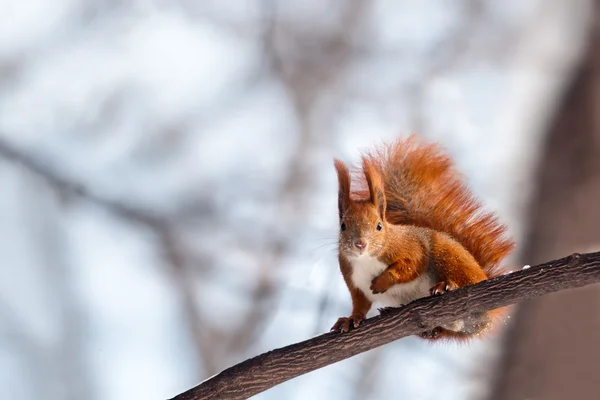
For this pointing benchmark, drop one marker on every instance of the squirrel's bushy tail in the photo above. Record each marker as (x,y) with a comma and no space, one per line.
(423,188)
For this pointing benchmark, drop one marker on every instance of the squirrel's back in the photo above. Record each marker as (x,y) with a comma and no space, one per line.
(423,188)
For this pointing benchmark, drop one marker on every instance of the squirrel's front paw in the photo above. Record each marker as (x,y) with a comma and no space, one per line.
(381,283)
(343,324)
(442,287)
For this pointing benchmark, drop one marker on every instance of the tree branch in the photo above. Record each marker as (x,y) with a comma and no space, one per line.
(274,367)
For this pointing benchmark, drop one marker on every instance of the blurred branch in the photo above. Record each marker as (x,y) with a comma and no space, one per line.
(274,367)
(445,56)
(291,201)
(317,58)
(202,335)
(366,381)
(71,188)
(68,353)
(160,225)
(211,345)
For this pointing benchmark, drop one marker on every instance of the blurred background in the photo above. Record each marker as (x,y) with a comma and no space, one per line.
(168,200)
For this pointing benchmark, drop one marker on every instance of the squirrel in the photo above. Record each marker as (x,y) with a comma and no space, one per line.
(412,228)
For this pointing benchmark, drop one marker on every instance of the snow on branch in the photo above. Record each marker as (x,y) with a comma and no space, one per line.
(276,366)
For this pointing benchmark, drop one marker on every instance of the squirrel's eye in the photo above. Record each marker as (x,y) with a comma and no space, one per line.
(379,226)
(343,226)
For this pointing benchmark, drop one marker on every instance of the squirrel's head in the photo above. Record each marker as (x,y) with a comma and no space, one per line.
(362,222)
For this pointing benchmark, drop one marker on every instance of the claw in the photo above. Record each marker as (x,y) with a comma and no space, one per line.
(432,334)
(442,287)
(343,324)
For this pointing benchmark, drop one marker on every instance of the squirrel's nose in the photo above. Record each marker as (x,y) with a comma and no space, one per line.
(360,244)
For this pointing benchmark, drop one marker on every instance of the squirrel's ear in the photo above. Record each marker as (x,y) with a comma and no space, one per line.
(376,192)
(344,186)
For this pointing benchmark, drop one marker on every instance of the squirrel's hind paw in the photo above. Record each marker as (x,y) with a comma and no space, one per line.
(432,334)
(442,287)
(387,310)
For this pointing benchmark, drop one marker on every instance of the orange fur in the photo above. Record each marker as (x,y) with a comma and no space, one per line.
(413,222)
(423,188)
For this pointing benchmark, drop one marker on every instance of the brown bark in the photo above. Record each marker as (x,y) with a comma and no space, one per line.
(269,369)
(552,350)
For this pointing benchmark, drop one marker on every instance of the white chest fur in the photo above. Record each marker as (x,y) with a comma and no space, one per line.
(365,268)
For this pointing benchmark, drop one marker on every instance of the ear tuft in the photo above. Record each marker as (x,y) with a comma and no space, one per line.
(344,186)
(376,191)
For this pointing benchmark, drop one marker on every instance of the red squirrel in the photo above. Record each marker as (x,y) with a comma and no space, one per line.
(411,228)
